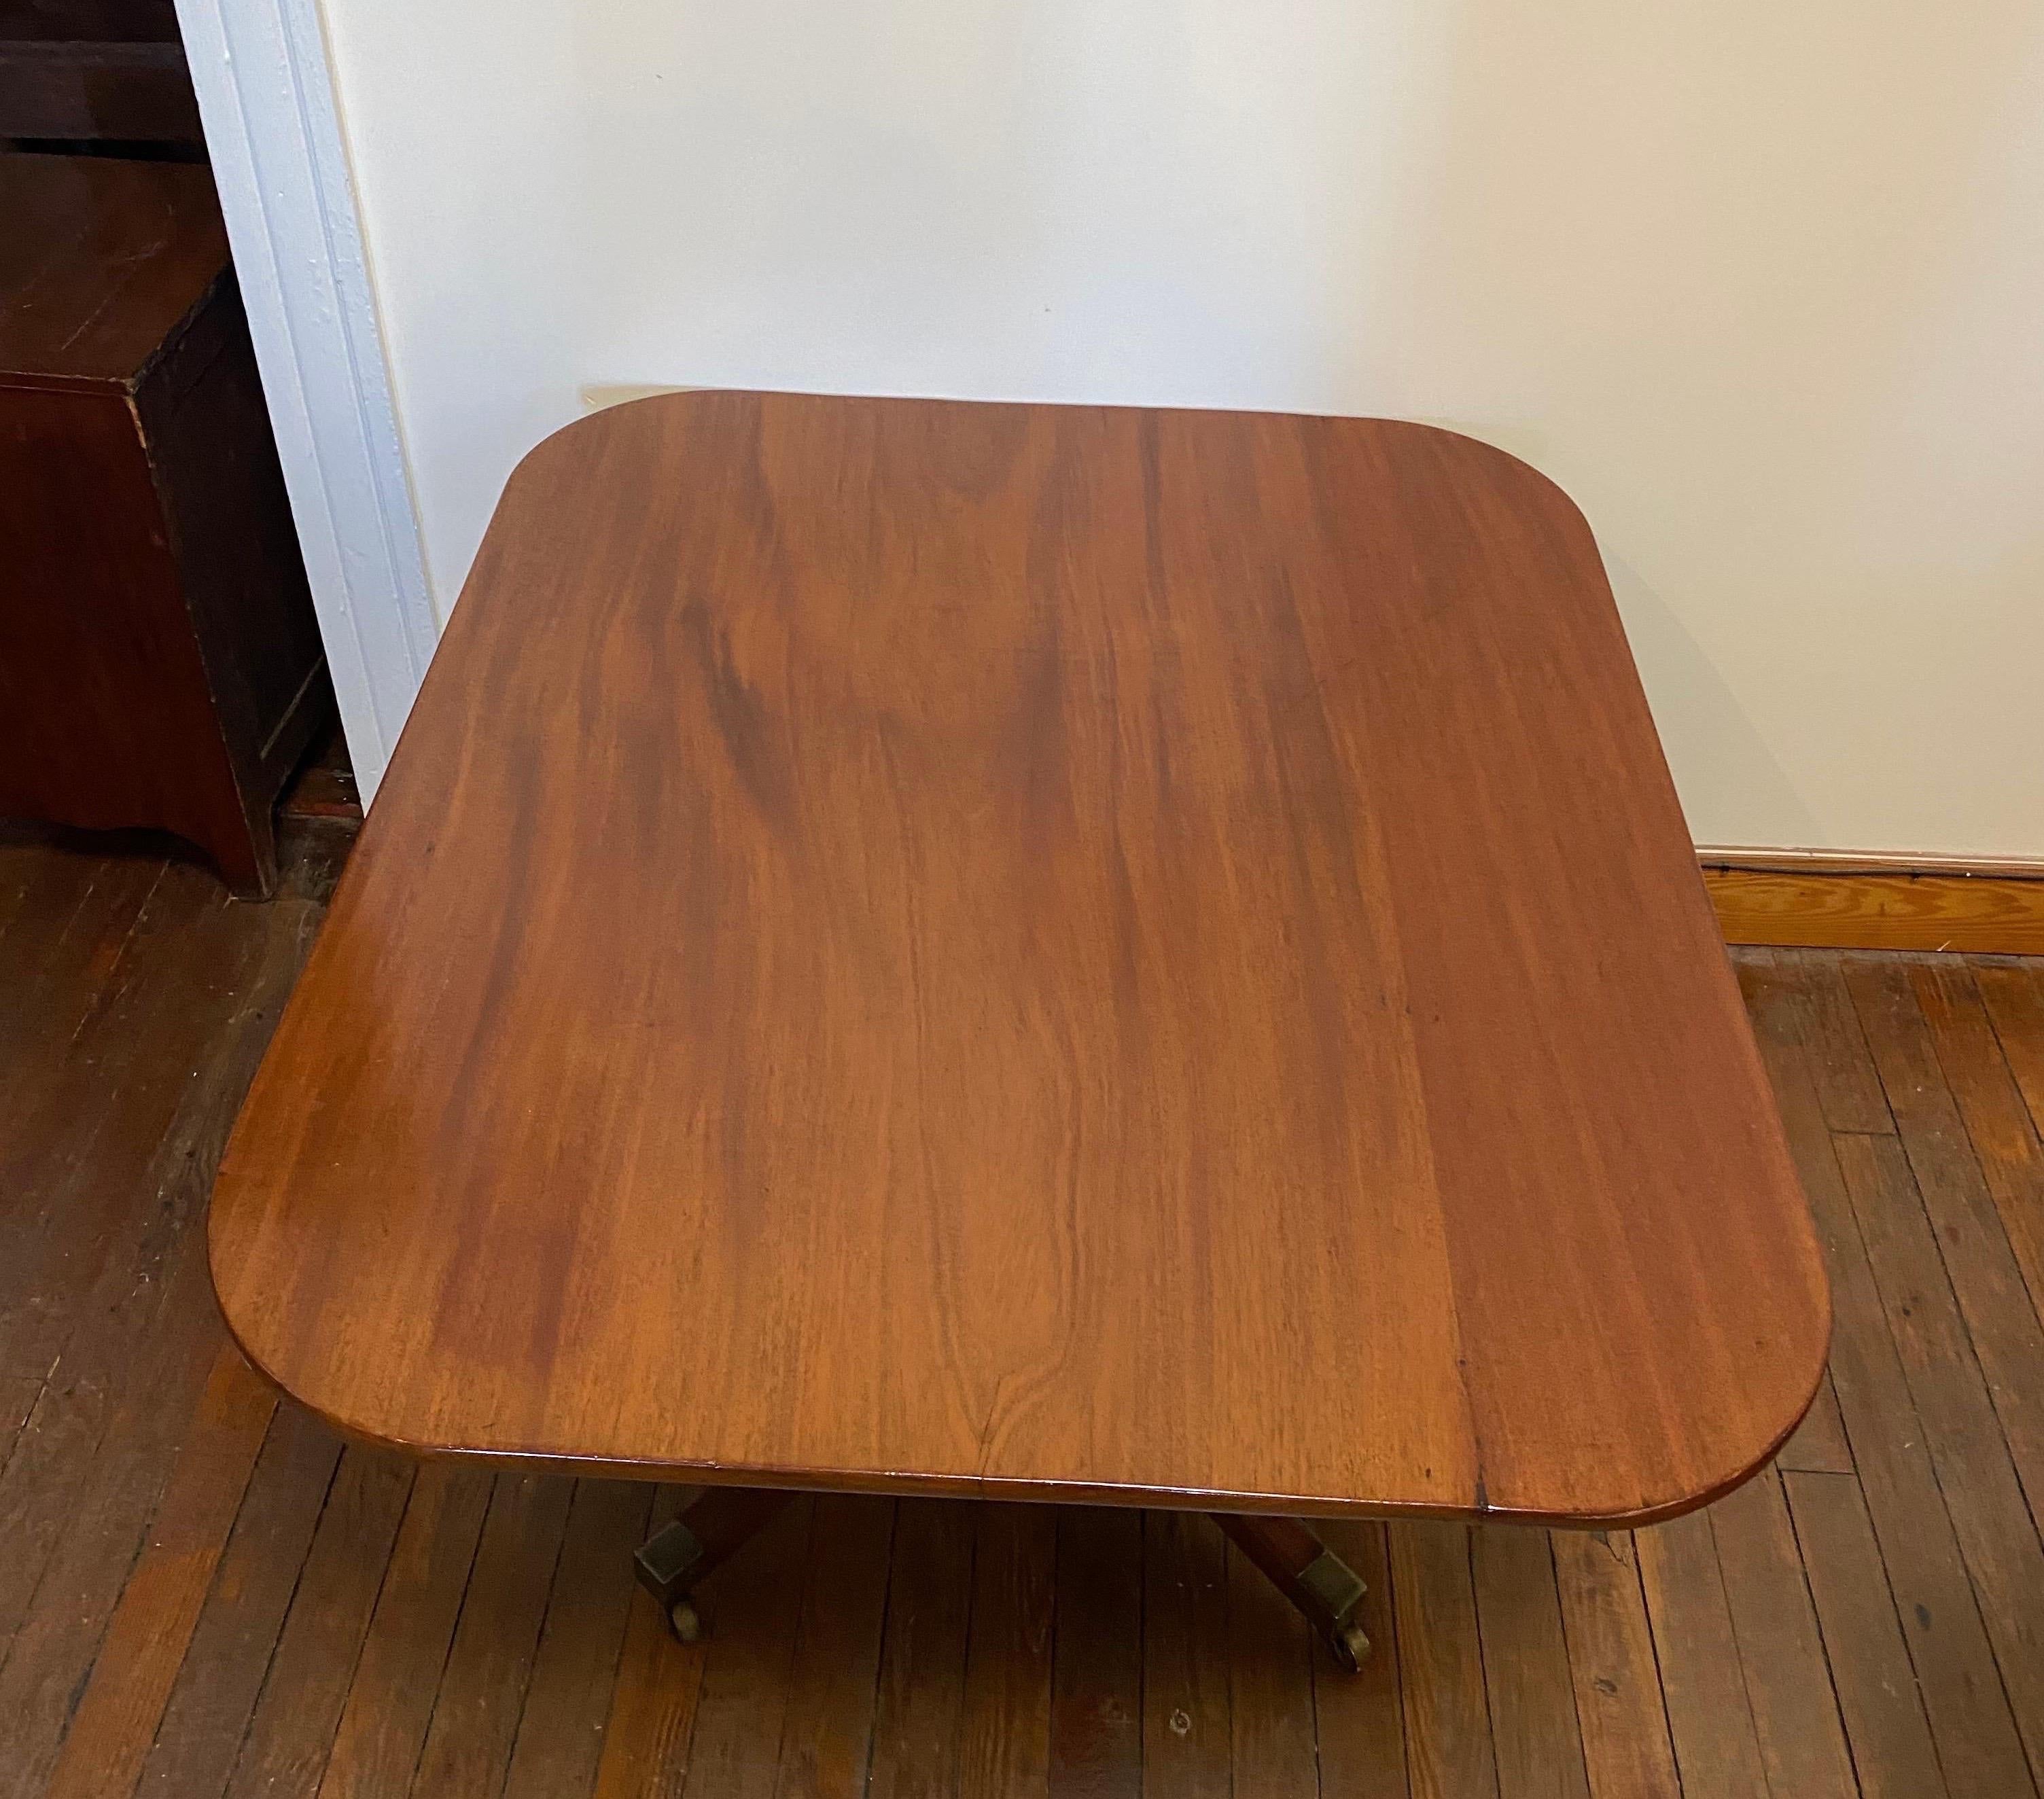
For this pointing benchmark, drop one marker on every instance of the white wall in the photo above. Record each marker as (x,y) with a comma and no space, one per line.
(1762,286)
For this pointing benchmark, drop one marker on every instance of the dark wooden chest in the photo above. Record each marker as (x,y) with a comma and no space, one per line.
(160,662)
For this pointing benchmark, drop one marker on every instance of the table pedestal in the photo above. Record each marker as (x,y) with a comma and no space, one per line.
(721,1520)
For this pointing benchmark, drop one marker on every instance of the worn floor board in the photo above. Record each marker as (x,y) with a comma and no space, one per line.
(396,1680)
(1188,1719)
(561,1726)
(1892,1755)
(1702,1682)
(1619,1706)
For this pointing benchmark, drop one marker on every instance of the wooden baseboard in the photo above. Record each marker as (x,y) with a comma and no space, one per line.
(1876,902)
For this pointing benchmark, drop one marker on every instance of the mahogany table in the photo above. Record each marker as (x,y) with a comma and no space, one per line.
(1051,953)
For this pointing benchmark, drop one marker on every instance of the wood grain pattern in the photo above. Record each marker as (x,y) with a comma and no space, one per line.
(1619,1705)
(397,1675)
(1948,1643)
(1795,1713)
(1187,1705)
(919,1706)
(283,1753)
(56,1642)
(1820,1445)
(482,1687)
(1004,1732)
(1848,1087)
(1892,1752)
(108,1734)
(917,946)
(2013,993)
(748,1664)
(1096,1715)
(1702,1685)
(1271,1652)
(1971,1240)
(1978,1471)
(1996,1122)
(827,1732)
(562,1731)
(253,1590)
(1359,1720)
(1447,1714)
(1533,1732)
(655,1691)
(105,256)
(1987,914)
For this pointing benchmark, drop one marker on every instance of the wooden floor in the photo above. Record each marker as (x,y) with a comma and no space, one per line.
(202,1593)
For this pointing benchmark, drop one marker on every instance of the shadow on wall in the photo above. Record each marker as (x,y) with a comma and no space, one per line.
(1694,705)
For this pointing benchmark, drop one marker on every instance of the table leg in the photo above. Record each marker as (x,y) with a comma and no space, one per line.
(713,1527)
(1309,1573)
(721,1519)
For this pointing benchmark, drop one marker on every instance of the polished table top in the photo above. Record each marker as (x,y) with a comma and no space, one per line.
(1062,952)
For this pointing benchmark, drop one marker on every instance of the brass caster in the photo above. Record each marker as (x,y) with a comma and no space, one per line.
(685,1620)
(1349,1646)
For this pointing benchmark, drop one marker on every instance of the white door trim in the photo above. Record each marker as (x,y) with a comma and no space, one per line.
(266,98)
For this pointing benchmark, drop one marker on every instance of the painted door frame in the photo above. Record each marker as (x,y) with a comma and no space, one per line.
(267,99)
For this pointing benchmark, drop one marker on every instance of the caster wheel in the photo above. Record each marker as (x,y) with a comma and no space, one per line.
(685,1621)
(1350,1646)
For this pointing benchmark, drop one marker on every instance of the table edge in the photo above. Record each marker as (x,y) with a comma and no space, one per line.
(962,1486)
(881,1483)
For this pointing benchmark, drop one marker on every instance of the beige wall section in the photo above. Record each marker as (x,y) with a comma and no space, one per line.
(1761,286)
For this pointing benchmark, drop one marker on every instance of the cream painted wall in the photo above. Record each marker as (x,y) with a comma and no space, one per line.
(1762,286)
